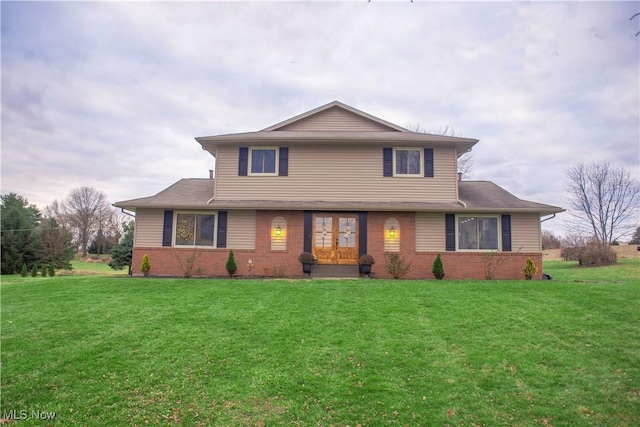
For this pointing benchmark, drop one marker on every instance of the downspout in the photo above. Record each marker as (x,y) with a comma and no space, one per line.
(460,179)
(211,178)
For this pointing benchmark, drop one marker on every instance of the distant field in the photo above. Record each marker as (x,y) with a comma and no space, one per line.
(131,351)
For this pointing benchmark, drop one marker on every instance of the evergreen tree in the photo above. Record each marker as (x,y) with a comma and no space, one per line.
(231,264)
(635,239)
(52,270)
(24,271)
(34,270)
(18,221)
(54,244)
(121,252)
(437,268)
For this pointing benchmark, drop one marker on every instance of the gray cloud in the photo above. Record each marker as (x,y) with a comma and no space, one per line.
(111,95)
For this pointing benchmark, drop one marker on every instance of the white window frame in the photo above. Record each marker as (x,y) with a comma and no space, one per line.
(498,231)
(175,228)
(250,161)
(408,175)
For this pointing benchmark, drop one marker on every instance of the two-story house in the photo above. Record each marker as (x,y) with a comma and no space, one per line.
(339,183)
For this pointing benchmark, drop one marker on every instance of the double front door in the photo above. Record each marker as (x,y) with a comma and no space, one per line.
(335,239)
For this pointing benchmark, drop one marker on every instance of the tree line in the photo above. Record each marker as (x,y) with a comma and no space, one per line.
(83,221)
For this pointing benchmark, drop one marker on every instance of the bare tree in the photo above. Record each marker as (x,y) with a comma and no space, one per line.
(550,240)
(84,211)
(603,200)
(465,161)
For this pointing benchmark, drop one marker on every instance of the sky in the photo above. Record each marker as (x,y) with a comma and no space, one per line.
(111,95)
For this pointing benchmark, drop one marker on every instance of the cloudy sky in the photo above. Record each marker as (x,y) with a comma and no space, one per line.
(111,95)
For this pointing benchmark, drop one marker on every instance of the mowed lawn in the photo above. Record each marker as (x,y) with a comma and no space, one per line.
(122,351)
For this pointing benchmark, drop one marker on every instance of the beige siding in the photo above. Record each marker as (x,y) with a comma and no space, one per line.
(340,173)
(148,231)
(525,233)
(430,233)
(241,229)
(335,119)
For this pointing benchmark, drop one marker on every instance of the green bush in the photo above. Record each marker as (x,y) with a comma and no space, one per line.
(44,270)
(530,269)
(24,270)
(34,271)
(231,264)
(52,270)
(145,267)
(437,269)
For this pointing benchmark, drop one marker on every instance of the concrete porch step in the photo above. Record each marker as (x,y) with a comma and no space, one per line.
(335,271)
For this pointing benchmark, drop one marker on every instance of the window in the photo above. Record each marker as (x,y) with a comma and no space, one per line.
(478,232)
(407,162)
(194,229)
(263,161)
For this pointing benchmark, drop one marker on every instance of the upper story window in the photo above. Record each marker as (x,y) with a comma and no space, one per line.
(263,161)
(407,162)
(478,232)
(402,162)
(194,229)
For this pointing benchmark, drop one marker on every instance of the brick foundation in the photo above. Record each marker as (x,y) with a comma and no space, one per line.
(170,261)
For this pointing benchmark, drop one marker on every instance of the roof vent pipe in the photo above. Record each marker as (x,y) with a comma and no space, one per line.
(459,176)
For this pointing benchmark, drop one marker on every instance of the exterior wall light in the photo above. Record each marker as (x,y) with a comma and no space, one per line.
(392,232)
(278,231)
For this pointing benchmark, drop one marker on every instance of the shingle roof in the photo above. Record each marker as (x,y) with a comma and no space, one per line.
(188,193)
(476,196)
(482,195)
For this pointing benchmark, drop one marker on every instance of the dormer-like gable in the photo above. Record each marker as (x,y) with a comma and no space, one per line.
(335,117)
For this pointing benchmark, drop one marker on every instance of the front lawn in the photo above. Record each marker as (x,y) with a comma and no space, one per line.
(133,351)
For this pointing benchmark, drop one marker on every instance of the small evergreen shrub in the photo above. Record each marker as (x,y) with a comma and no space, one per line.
(145,267)
(24,270)
(396,265)
(231,264)
(52,270)
(437,269)
(530,269)
(34,271)
(44,270)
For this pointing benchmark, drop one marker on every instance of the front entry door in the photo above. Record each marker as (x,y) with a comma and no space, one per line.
(335,238)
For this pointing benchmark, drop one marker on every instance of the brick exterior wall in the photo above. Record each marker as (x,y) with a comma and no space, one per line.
(268,263)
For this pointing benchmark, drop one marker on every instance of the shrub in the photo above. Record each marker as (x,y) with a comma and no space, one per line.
(44,270)
(24,270)
(530,269)
(52,270)
(597,253)
(231,264)
(396,265)
(437,269)
(145,267)
(34,270)
(366,259)
(306,258)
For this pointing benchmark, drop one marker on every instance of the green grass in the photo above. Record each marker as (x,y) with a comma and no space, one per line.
(121,351)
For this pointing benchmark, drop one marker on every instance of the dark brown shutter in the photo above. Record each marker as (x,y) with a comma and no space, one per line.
(283,166)
(428,162)
(450,231)
(167,228)
(506,233)
(222,229)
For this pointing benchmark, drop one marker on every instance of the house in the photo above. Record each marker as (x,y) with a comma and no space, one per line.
(339,183)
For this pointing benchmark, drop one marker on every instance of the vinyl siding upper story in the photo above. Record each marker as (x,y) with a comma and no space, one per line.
(338,173)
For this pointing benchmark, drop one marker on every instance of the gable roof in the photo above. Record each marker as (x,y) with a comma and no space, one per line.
(335,122)
(364,120)
(475,197)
